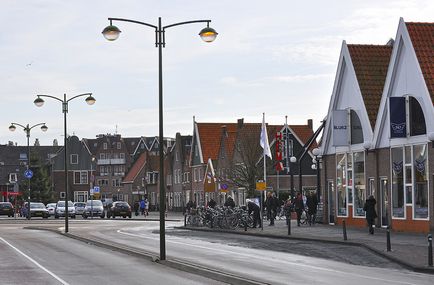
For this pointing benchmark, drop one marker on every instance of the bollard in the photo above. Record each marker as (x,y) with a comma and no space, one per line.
(288,220)
(389,247)
(245,225)
(344,229)
(430,250)
(185,220)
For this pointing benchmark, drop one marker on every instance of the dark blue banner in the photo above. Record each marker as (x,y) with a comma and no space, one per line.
(398,127)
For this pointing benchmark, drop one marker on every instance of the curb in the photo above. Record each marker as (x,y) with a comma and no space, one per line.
(173,263)
(380,253)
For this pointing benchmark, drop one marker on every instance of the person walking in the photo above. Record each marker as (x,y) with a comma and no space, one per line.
(136,208)
(252,207)
(142,206)
(272,203)
(298,207)
(230,202)
(312,204)
(371,214)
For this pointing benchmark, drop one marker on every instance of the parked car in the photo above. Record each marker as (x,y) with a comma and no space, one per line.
(51,207)
(6,208)
(79,207)
(94,208)
(37,209)
(60,209)
(119,208)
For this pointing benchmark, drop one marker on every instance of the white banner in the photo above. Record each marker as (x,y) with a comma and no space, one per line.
(340,127)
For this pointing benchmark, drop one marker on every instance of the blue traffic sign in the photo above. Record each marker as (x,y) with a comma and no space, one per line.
(96,189)
(28,174)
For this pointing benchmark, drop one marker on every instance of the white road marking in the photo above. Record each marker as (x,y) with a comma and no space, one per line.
(35,262)
(289,262)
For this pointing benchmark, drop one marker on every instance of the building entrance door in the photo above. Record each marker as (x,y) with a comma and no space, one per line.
(385,211)
(331,201)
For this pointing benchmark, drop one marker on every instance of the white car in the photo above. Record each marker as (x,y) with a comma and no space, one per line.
(51,207)
(60,210)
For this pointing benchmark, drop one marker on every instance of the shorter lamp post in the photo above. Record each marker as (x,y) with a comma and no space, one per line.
(292,161)
(39,102)
(27,128)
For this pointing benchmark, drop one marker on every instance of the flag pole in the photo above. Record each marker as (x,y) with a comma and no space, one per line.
(265,178)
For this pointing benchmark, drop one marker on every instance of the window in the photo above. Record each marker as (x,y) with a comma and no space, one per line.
(199,172)
(152,177)
(408,176)
(74,158)
(359,183)
(169,180)
(118,145)
(103,182)
(104,146)
(80,177)
(12,177)
(397,183)
(122,155)
(417,119)
(102,156)
(195,174)
(176,156)
(341,185)
(420,207)
(116,182)
(356,128)
(62,195)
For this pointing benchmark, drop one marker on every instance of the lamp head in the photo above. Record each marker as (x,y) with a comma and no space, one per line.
(39,102)
(111,33)
(12,128)
(208,34)
(44,128)
(90,100)
(316,151)
(293,159)
(313,166)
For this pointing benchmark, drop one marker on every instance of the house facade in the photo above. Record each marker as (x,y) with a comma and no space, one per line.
(379,132)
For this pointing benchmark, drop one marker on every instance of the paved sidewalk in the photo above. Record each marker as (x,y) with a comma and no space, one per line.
(409,250)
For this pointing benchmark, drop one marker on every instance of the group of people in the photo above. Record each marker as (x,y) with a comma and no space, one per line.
(141,207)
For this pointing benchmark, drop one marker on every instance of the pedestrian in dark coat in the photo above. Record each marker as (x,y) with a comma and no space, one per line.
(371,214)
(253,208)
(298,207)
(212,203)
(230,202)
(272,203)
(312,203)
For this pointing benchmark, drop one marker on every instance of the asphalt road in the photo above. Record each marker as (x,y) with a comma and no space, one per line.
(41,257)
(271,261)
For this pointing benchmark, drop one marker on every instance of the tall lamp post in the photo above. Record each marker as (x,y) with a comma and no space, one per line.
(316,166)
(207,34)
(27,128)
(292,161)
(39,102)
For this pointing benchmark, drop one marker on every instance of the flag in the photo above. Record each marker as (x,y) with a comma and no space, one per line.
(264,139)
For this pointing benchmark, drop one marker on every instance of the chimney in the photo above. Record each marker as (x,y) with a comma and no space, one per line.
(224,131)
(310,123)
(240,123)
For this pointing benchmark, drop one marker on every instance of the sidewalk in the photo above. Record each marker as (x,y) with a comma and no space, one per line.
(408,250)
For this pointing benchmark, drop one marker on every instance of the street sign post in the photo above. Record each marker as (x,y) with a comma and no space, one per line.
(28,173)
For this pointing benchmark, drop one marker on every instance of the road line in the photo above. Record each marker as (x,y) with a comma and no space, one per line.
(289,262)
(35,262)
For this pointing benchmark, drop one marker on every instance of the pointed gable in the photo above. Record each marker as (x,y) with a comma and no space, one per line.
(136,168)
(422,38)
(370,64)
(209,136)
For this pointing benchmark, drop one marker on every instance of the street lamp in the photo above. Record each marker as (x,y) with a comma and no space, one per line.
(27,130)
(207,34)
(39,102)
(292,160)
(315,166)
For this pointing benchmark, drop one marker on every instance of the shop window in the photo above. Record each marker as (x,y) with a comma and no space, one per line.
(341,185)
(397,183)
(420,206)
(417,119)
(359,183)
(349,179)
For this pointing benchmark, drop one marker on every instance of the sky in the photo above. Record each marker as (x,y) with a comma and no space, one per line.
(277,57)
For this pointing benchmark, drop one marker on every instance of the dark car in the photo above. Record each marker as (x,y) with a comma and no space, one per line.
(6,208)
(38,210)
(119,208)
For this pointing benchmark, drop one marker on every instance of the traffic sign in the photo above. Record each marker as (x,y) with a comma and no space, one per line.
(28,174)
(96,189)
